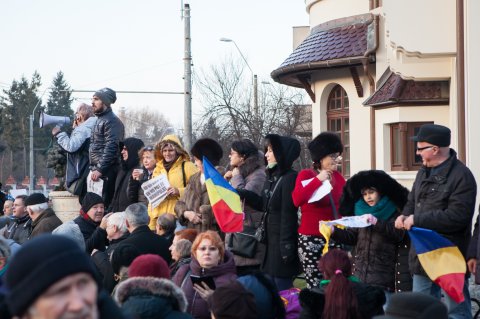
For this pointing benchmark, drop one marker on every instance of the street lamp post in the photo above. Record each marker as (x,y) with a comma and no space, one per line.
(254,77)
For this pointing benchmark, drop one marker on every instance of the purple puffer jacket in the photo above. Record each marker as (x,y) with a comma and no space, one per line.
(222,274)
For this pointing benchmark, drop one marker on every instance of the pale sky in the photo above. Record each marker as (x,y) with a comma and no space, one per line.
(138,45)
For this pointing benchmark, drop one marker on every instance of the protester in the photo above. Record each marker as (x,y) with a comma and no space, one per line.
(233,302)
(128,162)
(209,258)
(193,209)
(414,305)
(141,175)
(141,236)
(76,145)
(6,218)
(121,259)
(378,249)
(442,199)
(21,226)
(326,150)
(93,223)
(149,265)
(71,230)
(340,294)
(181,255)
(151,298)
(44,219)
(173,162)
(166,225)
(51,277)
(281,259)
(5,256)
(105,140)
(248,172)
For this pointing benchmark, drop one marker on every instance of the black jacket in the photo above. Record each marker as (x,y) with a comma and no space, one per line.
(281,257)
(148,242)
(107,133)
(443,200)
(121,199)
(19,229)
(94,236)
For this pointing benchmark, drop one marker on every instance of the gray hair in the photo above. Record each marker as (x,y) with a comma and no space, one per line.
(137,215)
(167,222)
(85,111)
(118,219)
(4,248)
(183,248)
(38,208)
(71,230)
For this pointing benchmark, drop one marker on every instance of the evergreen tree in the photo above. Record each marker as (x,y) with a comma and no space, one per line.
(60,100)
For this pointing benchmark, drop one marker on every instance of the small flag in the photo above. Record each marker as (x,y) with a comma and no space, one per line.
(225,201)
(442,261)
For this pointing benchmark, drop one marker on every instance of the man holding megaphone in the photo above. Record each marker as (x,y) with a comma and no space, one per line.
(77,145)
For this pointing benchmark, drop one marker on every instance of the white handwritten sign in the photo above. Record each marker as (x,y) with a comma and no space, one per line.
(156,189)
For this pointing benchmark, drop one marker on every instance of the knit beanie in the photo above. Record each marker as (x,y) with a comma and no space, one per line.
(233,301)
(90,200)
(149,265)
(123,256)
(40,263)
(71,230)
(106,95)
(35,198)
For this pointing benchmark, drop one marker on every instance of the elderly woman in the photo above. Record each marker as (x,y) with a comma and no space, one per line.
(325,150)
(181,255)
(141,175)
(209,259)
(281,258)
(193,209)
(174,162)
(248,172)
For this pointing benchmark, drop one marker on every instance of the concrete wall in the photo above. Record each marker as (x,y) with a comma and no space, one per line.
(321,11)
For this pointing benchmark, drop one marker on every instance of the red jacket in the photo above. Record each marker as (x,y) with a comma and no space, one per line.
(313,213)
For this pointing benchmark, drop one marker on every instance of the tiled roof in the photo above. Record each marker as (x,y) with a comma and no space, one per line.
(396,91)
(336,43)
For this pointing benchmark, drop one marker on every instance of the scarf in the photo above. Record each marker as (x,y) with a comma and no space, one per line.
(325,282)
(383,210)
(168,165)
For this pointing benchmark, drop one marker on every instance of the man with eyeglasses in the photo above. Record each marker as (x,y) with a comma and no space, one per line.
(442,199)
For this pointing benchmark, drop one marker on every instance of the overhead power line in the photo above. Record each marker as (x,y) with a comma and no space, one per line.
(130,92)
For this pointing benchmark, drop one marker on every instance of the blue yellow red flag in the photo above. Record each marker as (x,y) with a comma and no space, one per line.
(224,199)
(442,261)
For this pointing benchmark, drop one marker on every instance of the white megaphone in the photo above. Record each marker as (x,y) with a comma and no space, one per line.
(46,119)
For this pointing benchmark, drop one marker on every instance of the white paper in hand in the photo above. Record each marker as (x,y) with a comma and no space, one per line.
(94,186)
(320,192)
(156,189)
(350,221)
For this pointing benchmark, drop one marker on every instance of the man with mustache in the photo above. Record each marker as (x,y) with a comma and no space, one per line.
(93,223)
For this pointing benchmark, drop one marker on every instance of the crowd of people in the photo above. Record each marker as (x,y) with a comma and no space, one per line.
(122,257)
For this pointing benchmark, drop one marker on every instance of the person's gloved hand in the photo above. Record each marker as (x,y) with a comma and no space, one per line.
(369,218)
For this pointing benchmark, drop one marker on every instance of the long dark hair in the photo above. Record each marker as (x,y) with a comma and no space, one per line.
(340,299)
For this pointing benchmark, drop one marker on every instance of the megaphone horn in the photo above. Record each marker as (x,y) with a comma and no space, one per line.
(46,119)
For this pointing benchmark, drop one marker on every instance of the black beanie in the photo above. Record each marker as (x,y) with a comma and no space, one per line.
(89,200)
(35,198)
(208,148)
(40,263)
(123,256)
(106,95)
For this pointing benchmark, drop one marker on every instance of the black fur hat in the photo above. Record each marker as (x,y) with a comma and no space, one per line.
(208,148)
(381,181)
(323,144)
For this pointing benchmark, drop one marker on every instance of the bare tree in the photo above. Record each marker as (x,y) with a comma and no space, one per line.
(226,98)
(146,124)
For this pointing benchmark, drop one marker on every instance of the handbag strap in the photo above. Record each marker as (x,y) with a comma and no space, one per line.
(334,208)
(270,197)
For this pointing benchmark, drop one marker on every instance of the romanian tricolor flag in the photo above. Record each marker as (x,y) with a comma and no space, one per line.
(442,261)
(225,201)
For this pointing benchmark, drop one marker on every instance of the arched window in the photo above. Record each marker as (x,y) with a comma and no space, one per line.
(338,122)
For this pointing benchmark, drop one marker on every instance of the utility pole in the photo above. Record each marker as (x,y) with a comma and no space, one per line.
(187,115)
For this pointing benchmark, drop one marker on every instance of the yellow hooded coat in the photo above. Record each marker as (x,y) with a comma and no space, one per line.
(175,177)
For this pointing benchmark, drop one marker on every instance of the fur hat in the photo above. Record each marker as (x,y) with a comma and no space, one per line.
(40,263)
(106,95)
(208,148)
(324,144)
(90,200)
(35,198)
(381,181)
(233,301)
(149,265)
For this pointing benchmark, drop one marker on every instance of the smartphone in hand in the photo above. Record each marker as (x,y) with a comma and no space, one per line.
(206,279)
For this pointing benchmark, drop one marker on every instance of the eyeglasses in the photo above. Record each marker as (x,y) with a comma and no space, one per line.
(148,148)
(420,149)
(335,156)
